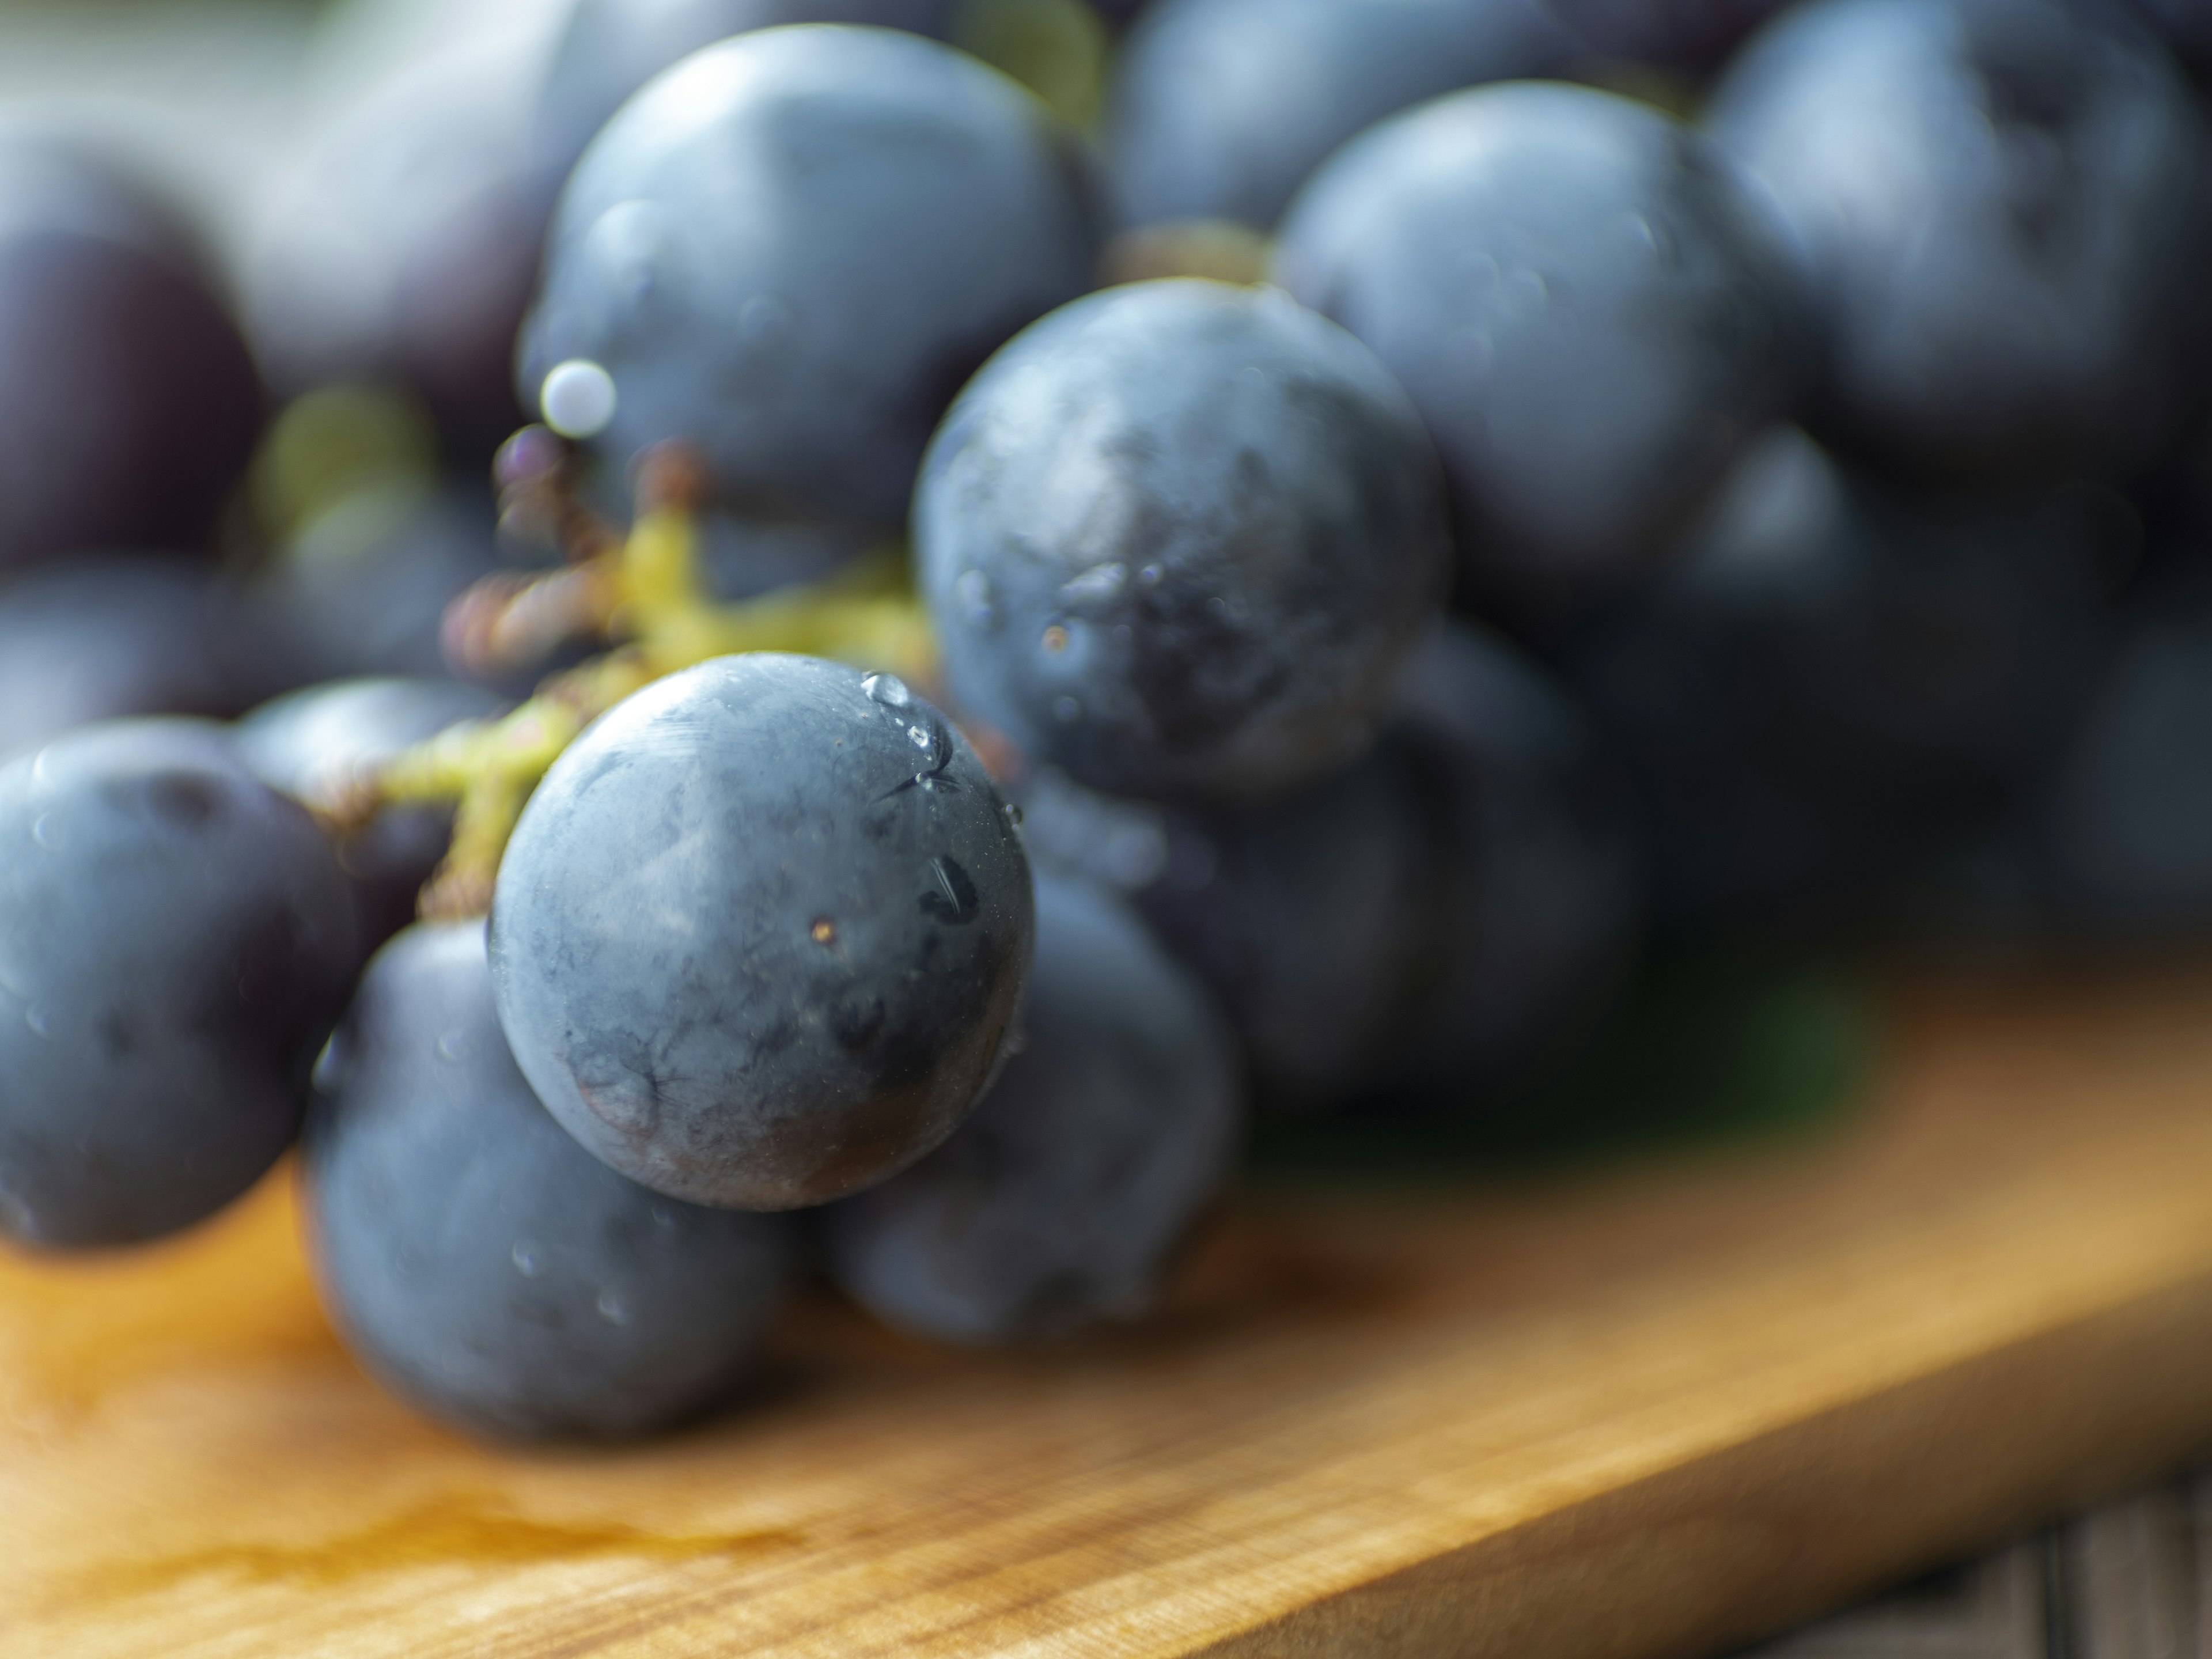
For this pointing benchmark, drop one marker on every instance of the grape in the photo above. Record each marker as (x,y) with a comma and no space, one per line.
(131,403)
(761,931)
(609,48)
(1222,108)
(175,939)
(481,1264)
(402,245)
(363,592)
(1178,536)
(1585,305)
(1437,924)
(1688,35)
(2004,207)
(2184,25)
(104,636)
(315,743)
(2125,824)
(1842,677)
(793,248)
(50,183)
(1543,883)
(1062,1201)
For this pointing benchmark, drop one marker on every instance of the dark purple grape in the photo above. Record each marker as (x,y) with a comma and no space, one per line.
(2004,210)
(1178,536)
(1437,925)
(315,743)
(609,48)
(364,592)
(1059,1203)
(175,940)
(792,249)
(1841,677)
(1221,109)
(403,246)
(478,1260)
(131,403)
(1589,307)
(112,635)
(761,932)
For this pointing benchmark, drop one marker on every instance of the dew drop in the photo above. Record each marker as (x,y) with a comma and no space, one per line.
(578,398)
(935,743)
(35,1017)
(1151,576)
(888,689)
(1066,710)
(44,832)
(525,1260)
(1013,814)
(1096,586)
(451,1046)
(611,1309)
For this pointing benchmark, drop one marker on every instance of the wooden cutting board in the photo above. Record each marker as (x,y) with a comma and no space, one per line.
(1651,1411)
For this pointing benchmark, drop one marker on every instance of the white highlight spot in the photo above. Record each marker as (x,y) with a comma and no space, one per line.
(578,398)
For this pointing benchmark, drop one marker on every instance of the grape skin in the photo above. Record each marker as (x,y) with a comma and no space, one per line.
(791,250)
(1061,1201)
(1177,537)
(760,934)
(177,940)
(1590,310)
(1223,108)
(481,1264)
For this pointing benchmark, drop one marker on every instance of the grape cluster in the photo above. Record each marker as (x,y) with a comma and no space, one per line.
(997,658)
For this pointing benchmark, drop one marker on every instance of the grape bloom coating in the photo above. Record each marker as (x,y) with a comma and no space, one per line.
(1178,539)
(761,931)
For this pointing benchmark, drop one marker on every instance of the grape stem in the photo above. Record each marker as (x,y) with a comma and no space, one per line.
(645,594)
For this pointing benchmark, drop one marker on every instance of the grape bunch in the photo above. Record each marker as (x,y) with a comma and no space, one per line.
(1002,656)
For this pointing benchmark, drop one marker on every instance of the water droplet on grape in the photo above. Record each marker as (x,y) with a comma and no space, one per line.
(611,1309)
(525,1260)
(44,831)
(36,1019)
(578,398)
(451,1046)
(1066,710)
(888,689)
(1013,814)
(1151,574)
(1097,586)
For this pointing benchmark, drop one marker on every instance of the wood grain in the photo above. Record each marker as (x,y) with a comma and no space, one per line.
(1642,1412)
